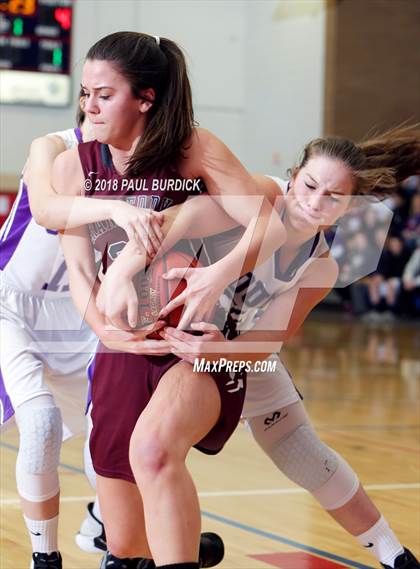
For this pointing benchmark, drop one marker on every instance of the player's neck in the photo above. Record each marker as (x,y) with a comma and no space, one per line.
(296,237)
(121,154)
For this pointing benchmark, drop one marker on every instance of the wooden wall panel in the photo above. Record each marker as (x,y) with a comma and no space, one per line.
(372,65)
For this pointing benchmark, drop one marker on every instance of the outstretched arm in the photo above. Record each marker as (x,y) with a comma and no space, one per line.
(197,217)
(242,200)
(55,210)
(281,319)
(83,279)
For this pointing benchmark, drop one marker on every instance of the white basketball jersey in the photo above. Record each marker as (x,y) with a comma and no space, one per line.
(31,259)
(247,299)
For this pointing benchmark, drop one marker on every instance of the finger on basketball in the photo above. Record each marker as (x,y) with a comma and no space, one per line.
(186,318)
(172,304)
(132,311)
(175,274)
(177,334)
(203,326)
(186,357)
(119,322)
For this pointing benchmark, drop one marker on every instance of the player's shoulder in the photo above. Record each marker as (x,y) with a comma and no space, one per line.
(70,137)
(202,147)
(55,142)
(322,272)
(48,141)
(203,141)
(269,187)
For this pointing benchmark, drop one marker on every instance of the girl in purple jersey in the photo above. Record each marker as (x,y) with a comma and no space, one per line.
(138,100)
(45,347)
(321,190)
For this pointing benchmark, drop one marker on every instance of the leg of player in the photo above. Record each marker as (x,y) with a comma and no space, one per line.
(91,536)
(297,451)
(40,428)
(122,512)
(183,409)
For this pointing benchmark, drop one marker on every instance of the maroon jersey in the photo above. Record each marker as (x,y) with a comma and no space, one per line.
(153,190)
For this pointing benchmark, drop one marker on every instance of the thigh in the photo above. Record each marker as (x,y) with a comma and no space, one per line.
(122,385)
(22,368)
(182,410)
(70,395)
(269,391)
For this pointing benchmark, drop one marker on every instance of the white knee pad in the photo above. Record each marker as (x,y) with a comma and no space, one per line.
(310,463)
(340,488)
(303,458)
(41,433)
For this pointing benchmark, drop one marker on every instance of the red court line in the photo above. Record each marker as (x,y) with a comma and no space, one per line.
(379,444)
(297,560)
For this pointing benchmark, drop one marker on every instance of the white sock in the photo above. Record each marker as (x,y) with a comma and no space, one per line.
(381,542)
(43,534)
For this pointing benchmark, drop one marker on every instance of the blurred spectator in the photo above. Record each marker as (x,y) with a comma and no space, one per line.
(411,283)
(384,286)
(411,231)
(359,242)
(400,204)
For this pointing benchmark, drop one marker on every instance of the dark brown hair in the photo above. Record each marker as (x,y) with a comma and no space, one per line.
(377,164)
(147,63)
(80,114)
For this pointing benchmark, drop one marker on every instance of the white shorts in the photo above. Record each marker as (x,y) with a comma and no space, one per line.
(268,391)
(44,349)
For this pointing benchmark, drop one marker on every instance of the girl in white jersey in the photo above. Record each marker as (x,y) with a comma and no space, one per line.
(269,304)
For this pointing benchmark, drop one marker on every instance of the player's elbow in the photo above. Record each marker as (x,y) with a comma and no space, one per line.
(41,214)
(44,214)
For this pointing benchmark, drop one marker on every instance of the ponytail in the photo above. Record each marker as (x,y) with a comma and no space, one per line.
(171,122)
(377,164)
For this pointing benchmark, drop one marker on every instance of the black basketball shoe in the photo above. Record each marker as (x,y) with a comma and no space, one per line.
(46,560)
(404,561)
(109,561)
(212,551)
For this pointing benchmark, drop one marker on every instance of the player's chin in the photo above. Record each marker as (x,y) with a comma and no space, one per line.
(100,132)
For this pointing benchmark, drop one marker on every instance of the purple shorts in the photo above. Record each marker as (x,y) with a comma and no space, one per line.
(122,385)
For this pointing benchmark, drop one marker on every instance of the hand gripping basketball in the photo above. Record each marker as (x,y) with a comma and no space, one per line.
(154,292)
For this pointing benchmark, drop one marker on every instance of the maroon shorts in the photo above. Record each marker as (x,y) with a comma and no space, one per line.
(122,385)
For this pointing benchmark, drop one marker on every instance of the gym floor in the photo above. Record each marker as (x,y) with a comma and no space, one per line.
(361,387)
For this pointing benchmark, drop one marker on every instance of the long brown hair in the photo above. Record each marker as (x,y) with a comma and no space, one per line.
(157,63)
(377,164)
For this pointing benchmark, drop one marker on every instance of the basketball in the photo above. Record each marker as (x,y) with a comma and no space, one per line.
(154,292)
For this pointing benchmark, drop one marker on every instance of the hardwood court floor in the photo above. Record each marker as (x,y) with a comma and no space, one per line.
(361,388)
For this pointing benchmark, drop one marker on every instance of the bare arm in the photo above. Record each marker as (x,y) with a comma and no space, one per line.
(84,284)
(198,217)
(288,311)
(47,206)
(242,199)
(283,316)
(67,207)
(66,179)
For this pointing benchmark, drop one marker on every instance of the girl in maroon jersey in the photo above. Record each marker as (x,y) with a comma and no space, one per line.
(138,100)
(288,286)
